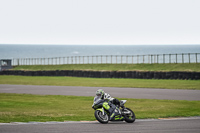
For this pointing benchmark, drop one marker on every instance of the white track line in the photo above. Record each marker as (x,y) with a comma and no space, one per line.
(68,122)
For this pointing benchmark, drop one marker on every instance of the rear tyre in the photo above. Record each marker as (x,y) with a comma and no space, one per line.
(129,117)
(100,117)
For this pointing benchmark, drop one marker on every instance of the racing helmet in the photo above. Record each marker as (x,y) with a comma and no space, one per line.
(100,93)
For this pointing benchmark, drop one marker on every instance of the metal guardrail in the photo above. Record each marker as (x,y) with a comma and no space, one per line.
(111,59)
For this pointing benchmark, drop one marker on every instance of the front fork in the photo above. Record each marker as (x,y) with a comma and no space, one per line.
(103,111)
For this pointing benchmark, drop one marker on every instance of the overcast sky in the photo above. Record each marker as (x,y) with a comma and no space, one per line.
(99,21)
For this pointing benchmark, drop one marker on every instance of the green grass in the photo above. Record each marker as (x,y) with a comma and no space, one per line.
(101,82)
(195,67)
(41,108)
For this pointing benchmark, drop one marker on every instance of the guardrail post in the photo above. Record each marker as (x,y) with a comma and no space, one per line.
(132,59)
(143,59)
(163,58)
(157,58)
(111,59)
(182,58)
(17,62)
(196,57)
(189,57)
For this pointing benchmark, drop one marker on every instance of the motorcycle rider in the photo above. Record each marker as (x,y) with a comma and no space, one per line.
(107,105)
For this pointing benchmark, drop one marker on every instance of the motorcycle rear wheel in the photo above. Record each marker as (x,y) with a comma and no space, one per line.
(100,117)
(129,118)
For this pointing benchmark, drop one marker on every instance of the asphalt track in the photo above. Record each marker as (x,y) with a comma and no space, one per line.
(185,125)
(176,125)
(137,93)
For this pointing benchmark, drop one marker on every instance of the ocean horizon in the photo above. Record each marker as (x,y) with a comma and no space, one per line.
(49,51)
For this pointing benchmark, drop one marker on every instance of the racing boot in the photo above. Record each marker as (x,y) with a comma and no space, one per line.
(112,109)
(116,115)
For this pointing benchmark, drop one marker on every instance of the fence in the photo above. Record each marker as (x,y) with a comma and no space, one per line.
(112,59)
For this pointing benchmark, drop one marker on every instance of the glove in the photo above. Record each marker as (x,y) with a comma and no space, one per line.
(93,106)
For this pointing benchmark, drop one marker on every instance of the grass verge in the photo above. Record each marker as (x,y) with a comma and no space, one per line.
(195,67)
(41,108)
(101,82)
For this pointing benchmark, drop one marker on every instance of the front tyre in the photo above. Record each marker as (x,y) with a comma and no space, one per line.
(100,117)
(129,115)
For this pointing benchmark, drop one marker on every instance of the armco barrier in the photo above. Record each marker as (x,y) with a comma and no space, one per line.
(112,59)
(109,74)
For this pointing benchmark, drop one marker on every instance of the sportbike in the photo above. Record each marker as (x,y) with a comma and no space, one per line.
(119,113)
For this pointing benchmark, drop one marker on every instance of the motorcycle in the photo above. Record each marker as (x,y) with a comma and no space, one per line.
(119,113)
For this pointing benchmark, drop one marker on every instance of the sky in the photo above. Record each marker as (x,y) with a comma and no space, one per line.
(100,22)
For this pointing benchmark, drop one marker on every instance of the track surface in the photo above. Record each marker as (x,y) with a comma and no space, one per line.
(138,93)
(188,125)
(140,126)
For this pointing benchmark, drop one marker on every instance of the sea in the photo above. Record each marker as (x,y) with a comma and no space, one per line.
(12,51)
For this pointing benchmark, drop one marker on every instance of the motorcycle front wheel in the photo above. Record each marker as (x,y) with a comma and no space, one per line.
(100,117)
(129,115)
